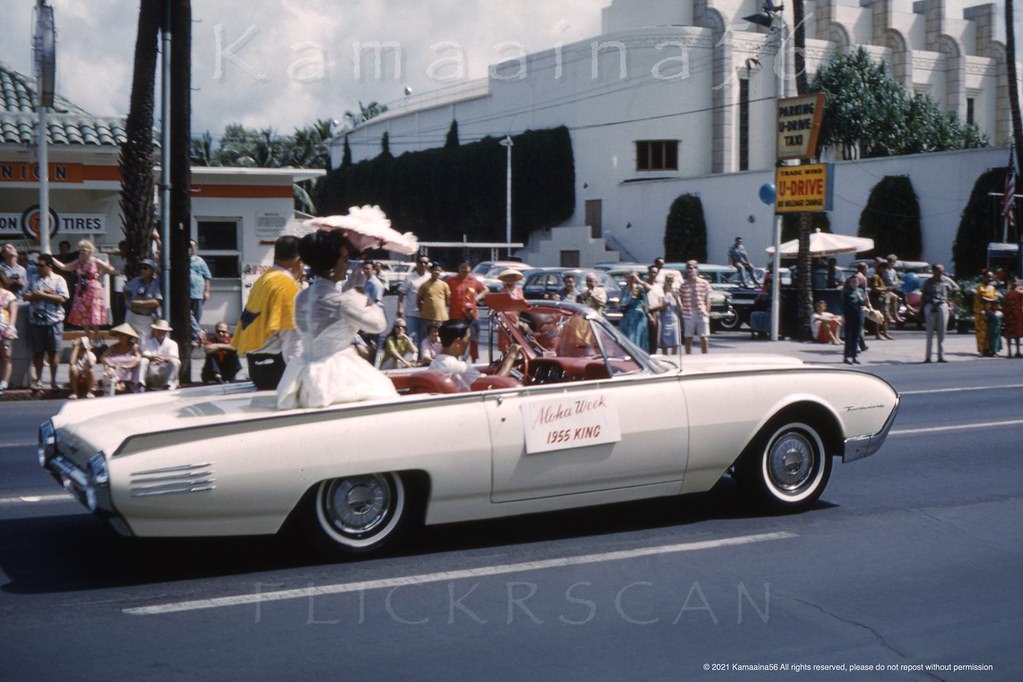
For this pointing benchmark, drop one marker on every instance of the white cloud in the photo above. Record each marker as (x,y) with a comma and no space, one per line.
(272,80)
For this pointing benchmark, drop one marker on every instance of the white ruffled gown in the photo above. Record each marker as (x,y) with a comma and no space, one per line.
(328,370)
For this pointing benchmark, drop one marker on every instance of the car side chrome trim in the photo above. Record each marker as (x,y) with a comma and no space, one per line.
(859,447)
(176,491)
(167,470)
(175,480)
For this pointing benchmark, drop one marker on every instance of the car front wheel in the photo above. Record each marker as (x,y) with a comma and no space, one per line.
(358,514)
(789,468)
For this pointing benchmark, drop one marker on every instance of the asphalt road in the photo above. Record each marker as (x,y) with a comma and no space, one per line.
(913,558)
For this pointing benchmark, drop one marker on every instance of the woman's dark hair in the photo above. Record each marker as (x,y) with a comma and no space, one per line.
(321,249)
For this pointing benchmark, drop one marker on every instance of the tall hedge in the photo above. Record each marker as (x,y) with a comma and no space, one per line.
(980,223)
(892,218)
(444,193)
(685,230)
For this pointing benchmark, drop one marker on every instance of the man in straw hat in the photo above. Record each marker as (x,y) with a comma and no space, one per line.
(266,334)
(160,363)
(142,298)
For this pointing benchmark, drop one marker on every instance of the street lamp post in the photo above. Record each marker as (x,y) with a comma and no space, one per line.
(508,144)
(771,17)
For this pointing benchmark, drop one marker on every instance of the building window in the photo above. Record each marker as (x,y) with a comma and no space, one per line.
(969,110)
(656,155)
(743,124)
(570,259)
(218,245)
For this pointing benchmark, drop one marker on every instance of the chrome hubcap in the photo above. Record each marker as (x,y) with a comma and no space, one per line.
(790,462)
(358,505)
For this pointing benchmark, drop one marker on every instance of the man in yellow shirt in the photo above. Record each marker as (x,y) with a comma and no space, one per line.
(266,333)
(434,298)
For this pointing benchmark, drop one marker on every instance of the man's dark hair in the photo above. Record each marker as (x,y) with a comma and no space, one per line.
(45,258)
(452,330)
(286,248)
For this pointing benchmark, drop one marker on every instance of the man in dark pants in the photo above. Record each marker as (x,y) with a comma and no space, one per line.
(266,333)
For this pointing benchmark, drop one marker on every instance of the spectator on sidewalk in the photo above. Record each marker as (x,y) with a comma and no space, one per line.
(17,275)
(199,278)
(120,361)
(1013,327)
(46,294)
(694,295)
(399,351)
(593,295)
(161,362)
(466,292)
(825,325)
(739,259)
(936,294)
(142,298)
(8,328)
(89,305)
(434,297)
(853,301)
(222,364)
(80,373)
(431,345)
(408,300)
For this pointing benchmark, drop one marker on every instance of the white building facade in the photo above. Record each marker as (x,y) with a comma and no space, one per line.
(678,96)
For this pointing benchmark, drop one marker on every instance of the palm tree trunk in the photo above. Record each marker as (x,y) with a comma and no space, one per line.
(136,160)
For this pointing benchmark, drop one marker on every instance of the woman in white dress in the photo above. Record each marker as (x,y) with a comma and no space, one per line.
(328,369)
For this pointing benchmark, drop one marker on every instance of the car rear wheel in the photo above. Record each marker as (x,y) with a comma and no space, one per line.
(788,468)
(358,514)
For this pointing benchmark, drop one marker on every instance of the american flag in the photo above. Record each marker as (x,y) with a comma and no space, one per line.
(1009,198)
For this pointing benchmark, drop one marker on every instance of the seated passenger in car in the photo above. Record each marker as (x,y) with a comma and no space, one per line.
(455,337)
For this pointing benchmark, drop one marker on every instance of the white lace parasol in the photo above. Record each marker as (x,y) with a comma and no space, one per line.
(367,228)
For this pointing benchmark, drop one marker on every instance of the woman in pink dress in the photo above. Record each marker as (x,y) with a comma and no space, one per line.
(89,308)
(1013,327)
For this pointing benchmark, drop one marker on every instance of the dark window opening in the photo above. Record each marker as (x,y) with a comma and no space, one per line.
(655,155)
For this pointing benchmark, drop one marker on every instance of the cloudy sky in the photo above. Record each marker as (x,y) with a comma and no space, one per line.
(286,63)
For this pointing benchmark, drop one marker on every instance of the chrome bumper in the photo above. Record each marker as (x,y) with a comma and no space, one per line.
(90,484)
(865,446)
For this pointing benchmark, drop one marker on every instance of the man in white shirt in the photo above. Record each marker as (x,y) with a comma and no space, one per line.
(408,301)
(455,336)
(160,362)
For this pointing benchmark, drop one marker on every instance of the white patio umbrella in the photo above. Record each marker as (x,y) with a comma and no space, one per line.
(826,244)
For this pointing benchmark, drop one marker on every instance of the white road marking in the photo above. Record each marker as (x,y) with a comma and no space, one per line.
(34,499)
(22,444)
(955,427)
(960,389)
(442,576)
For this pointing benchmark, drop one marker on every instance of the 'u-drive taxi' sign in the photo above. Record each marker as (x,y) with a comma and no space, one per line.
(803,188)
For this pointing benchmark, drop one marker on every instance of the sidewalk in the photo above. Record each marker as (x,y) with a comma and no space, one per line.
(907,348)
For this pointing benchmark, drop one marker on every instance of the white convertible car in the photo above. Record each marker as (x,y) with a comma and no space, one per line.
(586,419)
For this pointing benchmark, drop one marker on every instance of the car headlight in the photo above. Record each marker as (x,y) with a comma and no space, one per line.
(96,487)
(47,442)
(98,472)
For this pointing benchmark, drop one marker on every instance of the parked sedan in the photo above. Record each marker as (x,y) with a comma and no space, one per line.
(547,284)
(586,419)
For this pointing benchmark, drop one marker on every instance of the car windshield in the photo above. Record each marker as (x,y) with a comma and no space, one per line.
(572,332)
